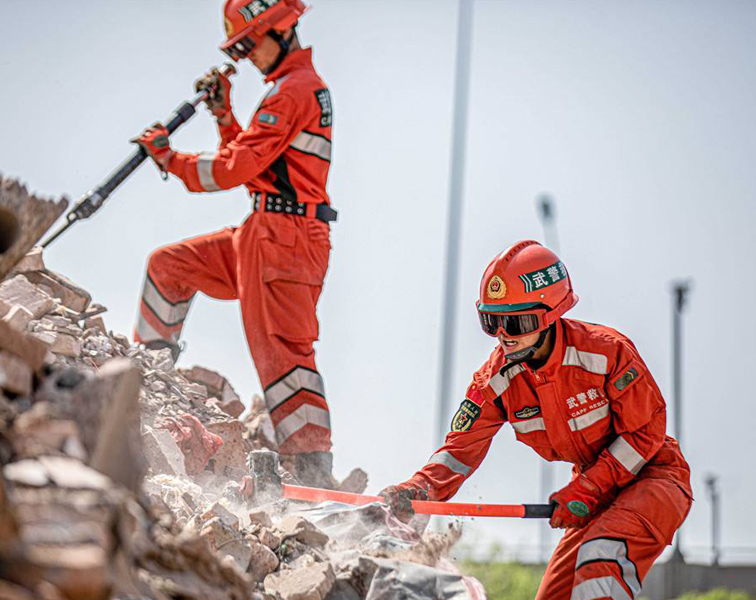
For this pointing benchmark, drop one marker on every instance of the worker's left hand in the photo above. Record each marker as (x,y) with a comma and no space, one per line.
(155,142)
(399,500)
(576,503)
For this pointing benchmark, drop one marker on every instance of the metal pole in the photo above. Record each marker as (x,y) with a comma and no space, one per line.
(547,214)
(680,291)
(711,488)
(456,183)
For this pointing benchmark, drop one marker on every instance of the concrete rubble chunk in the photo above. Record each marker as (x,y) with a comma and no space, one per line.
(263,561)
(62,288)
(312,583)
(299,528)
(217,510)
(67,345)
(25,218)
(15,374)
(18,318)
(32,350)
(32,261)
(261,517)
(162,452)
(355,482)
(18,291)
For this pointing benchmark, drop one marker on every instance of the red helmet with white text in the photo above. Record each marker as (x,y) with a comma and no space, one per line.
(247,22)
(524,290)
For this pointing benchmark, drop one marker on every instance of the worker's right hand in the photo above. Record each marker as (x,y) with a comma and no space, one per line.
(218,100)
(399,500)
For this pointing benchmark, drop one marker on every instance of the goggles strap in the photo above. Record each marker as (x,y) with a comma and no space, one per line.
(526,354)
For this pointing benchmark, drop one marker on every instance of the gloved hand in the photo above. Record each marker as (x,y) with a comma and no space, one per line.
(155,142)
(576,503)
(218,100)
(399,500)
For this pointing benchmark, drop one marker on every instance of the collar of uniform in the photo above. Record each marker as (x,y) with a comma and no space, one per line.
(295,59)
(557,352)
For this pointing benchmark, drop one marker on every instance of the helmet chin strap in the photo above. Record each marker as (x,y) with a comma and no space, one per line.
(524,355)
(284,48)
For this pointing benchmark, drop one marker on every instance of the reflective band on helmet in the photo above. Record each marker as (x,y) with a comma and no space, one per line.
(303,416)
(600,587)
(627,456)
(513,325)
(603,549)
(205,172)
(446,459)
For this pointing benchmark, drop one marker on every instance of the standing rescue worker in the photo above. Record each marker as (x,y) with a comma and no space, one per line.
(275,262)
(574,392)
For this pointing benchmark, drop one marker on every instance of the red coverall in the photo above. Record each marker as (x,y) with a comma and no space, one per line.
(593,404)
(274,263)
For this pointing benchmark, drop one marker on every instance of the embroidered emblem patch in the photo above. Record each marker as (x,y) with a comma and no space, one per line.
(528,412)
(578,508)
(467,414)
(626,379)
(544,277)
(326,111)
(267,118)
(496,288)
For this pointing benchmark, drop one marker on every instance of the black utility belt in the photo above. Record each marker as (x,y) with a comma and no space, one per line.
(286,206)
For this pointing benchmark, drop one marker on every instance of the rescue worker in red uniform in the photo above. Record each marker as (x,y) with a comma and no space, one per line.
(574,392)
(275,262)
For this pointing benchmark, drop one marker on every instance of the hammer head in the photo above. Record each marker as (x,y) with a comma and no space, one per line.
(268,485)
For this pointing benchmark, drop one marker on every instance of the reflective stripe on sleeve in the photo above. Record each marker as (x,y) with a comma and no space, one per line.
(600,587)
(603,549)
(205,172)
(529,425)
(627,456)
(310,143)
(296,380)
(500,383)
(307,414)
(589,418)
(589,361)
(169,313)
(446,459)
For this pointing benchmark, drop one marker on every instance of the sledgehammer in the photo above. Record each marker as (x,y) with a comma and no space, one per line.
(94,199)
(425,507)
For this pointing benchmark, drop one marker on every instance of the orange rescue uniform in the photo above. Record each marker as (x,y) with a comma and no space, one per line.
(276,261)
(593,404)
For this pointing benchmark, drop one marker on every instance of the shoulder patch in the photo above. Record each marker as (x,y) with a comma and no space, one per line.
(267,118)
(467,414)
(326,110)
(528,412)
(626,379)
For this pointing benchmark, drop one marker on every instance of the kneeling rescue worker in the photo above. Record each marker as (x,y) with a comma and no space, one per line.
(276,261)
(574,392)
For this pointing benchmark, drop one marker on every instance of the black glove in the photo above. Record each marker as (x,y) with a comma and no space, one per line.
(399,500)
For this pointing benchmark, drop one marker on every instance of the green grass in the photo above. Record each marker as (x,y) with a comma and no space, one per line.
(506,581)
(718,594)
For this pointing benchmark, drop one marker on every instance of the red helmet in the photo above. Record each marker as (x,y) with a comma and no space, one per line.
(248,21)
(526,281)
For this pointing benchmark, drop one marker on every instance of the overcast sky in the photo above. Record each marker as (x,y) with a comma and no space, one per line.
(638,117)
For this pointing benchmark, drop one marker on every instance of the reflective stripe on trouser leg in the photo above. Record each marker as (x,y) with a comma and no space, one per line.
(614,551)
(303,425)
(600,588)
(159,318)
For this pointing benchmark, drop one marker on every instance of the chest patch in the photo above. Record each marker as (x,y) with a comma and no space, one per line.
(528,412)
(467,414)
(326,111)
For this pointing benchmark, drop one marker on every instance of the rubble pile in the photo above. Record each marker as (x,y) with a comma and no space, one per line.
(124,477)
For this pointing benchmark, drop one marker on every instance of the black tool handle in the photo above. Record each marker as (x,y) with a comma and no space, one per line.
(94,199)
(539,511)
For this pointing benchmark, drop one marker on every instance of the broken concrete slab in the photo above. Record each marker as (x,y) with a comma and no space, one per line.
(263,561)
(29,348)
(19,291)
(299,528)
(62,288)
(15,374)
(312,583)
(162,452)
(217,510)
(18,318)
(32,261)
(25,219)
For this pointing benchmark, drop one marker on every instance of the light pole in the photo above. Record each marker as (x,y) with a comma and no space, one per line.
(680,290)
(456,182)
(547,214)
(713,492)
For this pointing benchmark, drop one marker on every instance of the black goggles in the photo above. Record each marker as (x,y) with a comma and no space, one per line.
(241,48)
(513,325)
